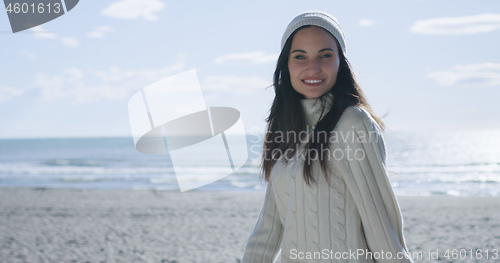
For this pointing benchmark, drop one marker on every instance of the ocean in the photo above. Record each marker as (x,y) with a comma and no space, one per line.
(458,163)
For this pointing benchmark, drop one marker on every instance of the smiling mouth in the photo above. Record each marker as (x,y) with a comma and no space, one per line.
(313,81)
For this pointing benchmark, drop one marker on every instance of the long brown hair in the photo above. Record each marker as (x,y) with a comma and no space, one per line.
(287,115)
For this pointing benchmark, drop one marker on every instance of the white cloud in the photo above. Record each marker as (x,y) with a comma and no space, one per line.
(472,75)
(8,93)
(464,25)
(99,32)
(70,41)
(235,84)
(40,32)
(133,9)
(257,57)
(365,22)
(92,85)
(50,87)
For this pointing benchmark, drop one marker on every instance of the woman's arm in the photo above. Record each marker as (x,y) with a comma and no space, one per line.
(370,187)
(264,242)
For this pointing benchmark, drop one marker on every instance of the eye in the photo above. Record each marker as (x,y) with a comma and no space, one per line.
(327,55)
(299,57)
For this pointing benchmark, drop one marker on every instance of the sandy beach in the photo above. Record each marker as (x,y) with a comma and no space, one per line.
(69,225)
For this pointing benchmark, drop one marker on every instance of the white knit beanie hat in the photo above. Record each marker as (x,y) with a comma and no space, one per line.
(316,18)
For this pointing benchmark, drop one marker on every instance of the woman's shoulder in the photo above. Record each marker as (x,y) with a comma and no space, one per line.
(355,116)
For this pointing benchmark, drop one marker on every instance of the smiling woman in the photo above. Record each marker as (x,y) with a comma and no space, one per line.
(325,198)
(313,62)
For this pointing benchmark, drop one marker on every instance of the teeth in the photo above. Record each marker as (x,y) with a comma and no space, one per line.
(313,81)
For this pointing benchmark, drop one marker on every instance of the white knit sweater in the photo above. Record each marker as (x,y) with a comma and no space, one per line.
(357,214)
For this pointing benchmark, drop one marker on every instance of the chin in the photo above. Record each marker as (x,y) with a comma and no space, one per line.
(312,95)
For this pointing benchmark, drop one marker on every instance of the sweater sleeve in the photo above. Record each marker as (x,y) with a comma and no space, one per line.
(264,242)
(369,185)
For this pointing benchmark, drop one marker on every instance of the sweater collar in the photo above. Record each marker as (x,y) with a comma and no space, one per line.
(316,109)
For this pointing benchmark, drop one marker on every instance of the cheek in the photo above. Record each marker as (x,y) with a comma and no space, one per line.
(334,69)
(294,75)
(293,69)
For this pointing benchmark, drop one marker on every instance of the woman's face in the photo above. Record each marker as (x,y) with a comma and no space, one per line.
(313,62)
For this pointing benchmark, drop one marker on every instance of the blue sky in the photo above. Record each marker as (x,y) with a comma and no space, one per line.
(429,64)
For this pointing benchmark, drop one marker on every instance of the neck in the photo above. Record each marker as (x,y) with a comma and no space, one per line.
(316,109)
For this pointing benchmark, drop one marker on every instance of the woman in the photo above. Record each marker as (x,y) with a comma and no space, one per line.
(328,197)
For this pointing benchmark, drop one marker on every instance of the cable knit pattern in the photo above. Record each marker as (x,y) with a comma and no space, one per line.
(328,223)
(337,214)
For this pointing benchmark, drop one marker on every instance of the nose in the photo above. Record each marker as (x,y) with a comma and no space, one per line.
(313,66)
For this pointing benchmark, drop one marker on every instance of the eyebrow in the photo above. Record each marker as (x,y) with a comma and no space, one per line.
(302,51)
